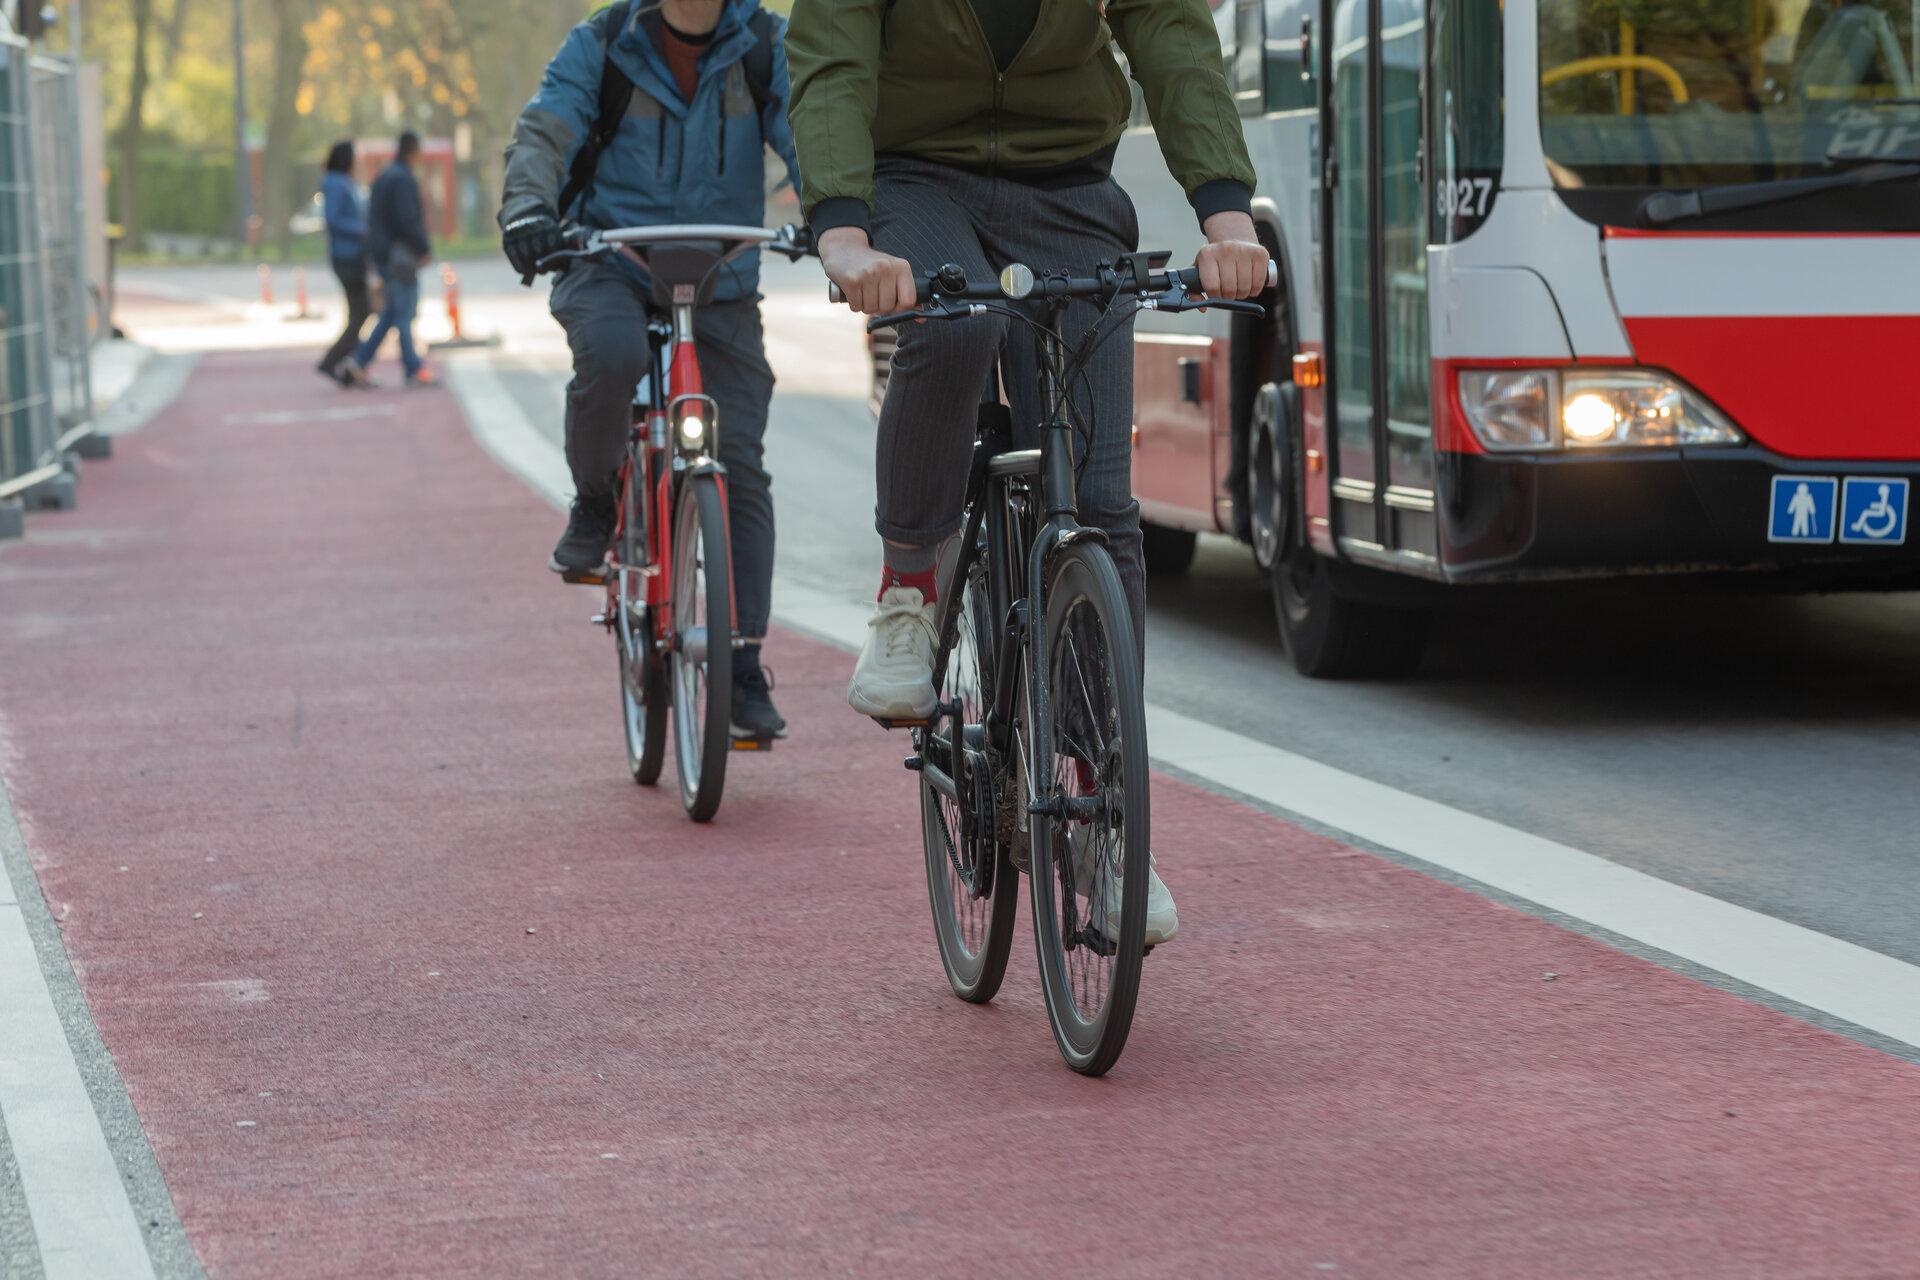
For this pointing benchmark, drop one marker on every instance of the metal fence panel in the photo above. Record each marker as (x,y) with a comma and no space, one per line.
(71,315)
(28,427)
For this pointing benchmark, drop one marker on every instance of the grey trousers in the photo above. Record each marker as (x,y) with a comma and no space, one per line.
(603,308)
(932,214)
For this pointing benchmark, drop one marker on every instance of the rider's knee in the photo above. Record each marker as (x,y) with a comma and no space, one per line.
(610,352)
(952,343)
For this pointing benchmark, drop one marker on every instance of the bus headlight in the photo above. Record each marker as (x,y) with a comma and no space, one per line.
(1637,407)
(1509,408)
(1589,408)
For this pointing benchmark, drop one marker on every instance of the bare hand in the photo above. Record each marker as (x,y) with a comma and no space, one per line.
(874,283)
(1234,262)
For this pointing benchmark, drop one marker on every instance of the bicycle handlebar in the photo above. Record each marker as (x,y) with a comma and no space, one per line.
(950,286)
(1110,283)
(795,242)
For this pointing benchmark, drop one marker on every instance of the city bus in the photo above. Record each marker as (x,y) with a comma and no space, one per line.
(1568,288)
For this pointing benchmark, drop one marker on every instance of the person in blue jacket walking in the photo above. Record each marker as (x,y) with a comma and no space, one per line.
(398,246)
(347,247)
(709,97)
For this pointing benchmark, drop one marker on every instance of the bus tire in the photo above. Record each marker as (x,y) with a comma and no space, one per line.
(1326,634)
(1166,550)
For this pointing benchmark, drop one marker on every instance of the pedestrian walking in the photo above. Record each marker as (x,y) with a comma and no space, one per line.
(397,246)
(347,249)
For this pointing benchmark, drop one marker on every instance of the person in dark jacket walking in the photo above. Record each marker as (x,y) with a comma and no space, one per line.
(398,247)
(347,247)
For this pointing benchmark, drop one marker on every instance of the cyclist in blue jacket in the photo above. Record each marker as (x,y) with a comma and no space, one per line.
(709,96)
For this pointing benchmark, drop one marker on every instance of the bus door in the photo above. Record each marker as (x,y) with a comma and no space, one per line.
(1373,218)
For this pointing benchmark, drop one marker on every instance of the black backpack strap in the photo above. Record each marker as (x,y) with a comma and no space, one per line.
(758,62)
(616,92)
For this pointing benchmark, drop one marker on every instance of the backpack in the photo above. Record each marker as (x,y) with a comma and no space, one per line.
(616,92)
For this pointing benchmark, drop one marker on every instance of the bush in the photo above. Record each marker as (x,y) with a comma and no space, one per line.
(183,192)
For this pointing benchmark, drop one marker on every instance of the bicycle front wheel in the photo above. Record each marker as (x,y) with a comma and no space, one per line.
(643,681)
(970,877)
(703,646)
(1092,849)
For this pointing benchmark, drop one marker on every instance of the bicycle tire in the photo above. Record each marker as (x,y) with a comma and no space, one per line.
(643,682)
(971,883)
(703,646)
(1094,708)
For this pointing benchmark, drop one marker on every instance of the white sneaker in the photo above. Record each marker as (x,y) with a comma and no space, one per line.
(894,678)
(1163,919)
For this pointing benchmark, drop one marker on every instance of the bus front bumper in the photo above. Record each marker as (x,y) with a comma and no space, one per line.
(1506,517)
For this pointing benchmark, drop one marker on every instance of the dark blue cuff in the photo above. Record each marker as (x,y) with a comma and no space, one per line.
(838,211)
(1222,195)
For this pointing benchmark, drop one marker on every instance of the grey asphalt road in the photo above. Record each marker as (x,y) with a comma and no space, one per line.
(1759,749)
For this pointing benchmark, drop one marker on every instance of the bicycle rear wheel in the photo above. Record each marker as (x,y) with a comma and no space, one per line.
(703,646)
(970,878)
(1091,854)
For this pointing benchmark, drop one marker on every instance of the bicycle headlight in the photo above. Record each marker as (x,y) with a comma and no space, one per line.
(693,423)
(1589,408)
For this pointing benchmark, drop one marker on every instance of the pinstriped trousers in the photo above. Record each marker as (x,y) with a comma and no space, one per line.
(932,214)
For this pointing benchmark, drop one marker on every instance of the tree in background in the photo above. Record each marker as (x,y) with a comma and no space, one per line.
(133,124)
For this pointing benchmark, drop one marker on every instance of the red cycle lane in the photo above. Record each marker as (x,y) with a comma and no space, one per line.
(322,775)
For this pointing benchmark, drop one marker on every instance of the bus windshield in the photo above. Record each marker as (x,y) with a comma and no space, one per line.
(1664,93)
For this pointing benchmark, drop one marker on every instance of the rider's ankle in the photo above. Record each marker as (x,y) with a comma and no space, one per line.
(924,581)
(906,566)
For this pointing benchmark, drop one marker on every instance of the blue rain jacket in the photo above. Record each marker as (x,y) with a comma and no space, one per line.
(672,160)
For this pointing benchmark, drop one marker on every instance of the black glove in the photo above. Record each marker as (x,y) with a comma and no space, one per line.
(527,240)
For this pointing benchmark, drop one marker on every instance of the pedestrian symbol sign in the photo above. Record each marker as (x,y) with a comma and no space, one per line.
(1874,510)
(1803,509)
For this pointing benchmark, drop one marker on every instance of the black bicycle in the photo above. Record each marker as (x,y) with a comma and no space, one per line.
(1035,758)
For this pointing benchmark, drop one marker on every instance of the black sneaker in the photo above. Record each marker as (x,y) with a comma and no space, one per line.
(581,554)
(753,713)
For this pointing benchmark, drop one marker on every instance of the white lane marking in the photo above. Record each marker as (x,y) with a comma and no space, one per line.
(83,1221)
(1864,987)
(500,424)
(296,417)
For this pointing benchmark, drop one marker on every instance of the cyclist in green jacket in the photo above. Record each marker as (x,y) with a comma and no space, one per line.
(982,132)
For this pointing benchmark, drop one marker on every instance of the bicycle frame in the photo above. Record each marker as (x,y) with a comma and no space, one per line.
(671,382)
(1001,481)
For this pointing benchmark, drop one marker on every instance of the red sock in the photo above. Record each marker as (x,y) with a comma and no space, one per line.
(923,582)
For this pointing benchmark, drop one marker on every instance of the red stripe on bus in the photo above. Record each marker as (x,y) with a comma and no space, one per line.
(1840,387)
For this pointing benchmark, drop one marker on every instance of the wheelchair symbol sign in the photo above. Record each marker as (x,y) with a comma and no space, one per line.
(1873,510)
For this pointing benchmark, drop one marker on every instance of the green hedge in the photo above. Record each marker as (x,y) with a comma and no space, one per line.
(186,193)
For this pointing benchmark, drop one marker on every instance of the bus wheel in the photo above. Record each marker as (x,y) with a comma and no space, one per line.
(1167,551)
(1326,634)
(1270,470)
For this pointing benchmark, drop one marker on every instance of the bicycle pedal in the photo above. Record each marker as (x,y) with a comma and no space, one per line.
(585,578)
(761,742)
(887,723)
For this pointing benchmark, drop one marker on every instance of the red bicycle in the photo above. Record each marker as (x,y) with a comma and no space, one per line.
(669,579)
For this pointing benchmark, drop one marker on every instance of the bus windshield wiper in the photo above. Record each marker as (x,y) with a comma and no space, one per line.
(1664,207)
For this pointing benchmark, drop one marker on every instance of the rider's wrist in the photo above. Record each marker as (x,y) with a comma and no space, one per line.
(1229,227)
(1222,195)
(838,211)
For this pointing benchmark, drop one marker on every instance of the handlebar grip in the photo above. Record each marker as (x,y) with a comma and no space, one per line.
(834,295)
(1189,277)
